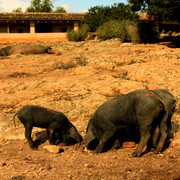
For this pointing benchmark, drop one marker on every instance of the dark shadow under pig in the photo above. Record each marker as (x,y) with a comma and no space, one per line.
(57,124)
(25,49)
(141,110)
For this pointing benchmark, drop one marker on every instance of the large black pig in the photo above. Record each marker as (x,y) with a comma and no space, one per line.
(56,123)
(141,109)
(133,135)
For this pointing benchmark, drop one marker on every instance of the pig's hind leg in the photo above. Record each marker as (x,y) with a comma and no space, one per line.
(52,129)
(145,136)
(28,130)
(106,137)
(163,136)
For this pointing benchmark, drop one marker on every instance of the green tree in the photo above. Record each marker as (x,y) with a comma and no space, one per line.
(40,6)
(159,9)
(98,15)
(18,10)
(60,10)
(47,6)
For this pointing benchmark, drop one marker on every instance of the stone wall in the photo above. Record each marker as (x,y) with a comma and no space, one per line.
(28,37)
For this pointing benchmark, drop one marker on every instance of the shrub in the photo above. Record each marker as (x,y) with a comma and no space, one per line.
(125,30)
(78,35)
(132,31)
(112,29)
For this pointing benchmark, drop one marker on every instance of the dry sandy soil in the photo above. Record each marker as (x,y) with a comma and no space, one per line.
(76,81)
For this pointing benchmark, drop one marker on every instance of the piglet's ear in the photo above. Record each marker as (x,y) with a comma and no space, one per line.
(73,133)
(89,137)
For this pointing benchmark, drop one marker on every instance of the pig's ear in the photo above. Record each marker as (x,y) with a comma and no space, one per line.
(72,132)
(89,137)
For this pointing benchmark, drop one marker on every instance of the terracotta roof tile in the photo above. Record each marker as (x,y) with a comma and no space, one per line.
(145,16)
(41,16)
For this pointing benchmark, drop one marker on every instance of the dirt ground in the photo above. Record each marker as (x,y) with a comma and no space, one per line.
(76,80)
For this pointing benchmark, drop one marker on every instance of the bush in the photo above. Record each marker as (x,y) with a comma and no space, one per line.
(125,30)
(112,29)
(132,31)
(78,35)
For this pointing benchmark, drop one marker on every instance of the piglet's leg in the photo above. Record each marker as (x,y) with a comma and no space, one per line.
(154,139)
(51,136)
(51,132)
(28,130)
(117,144)
(156,136)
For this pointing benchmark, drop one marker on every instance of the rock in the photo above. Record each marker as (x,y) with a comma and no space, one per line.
(53,148)
(8,110)
(2,164)
(58,52)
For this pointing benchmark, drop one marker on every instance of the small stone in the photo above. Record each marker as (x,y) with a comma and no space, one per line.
(161,155)
(3,164)
(86,149)
(48,167)
(53,148)
(70,176)
(129,170)
(7,110)
(58,53)
(172,157)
